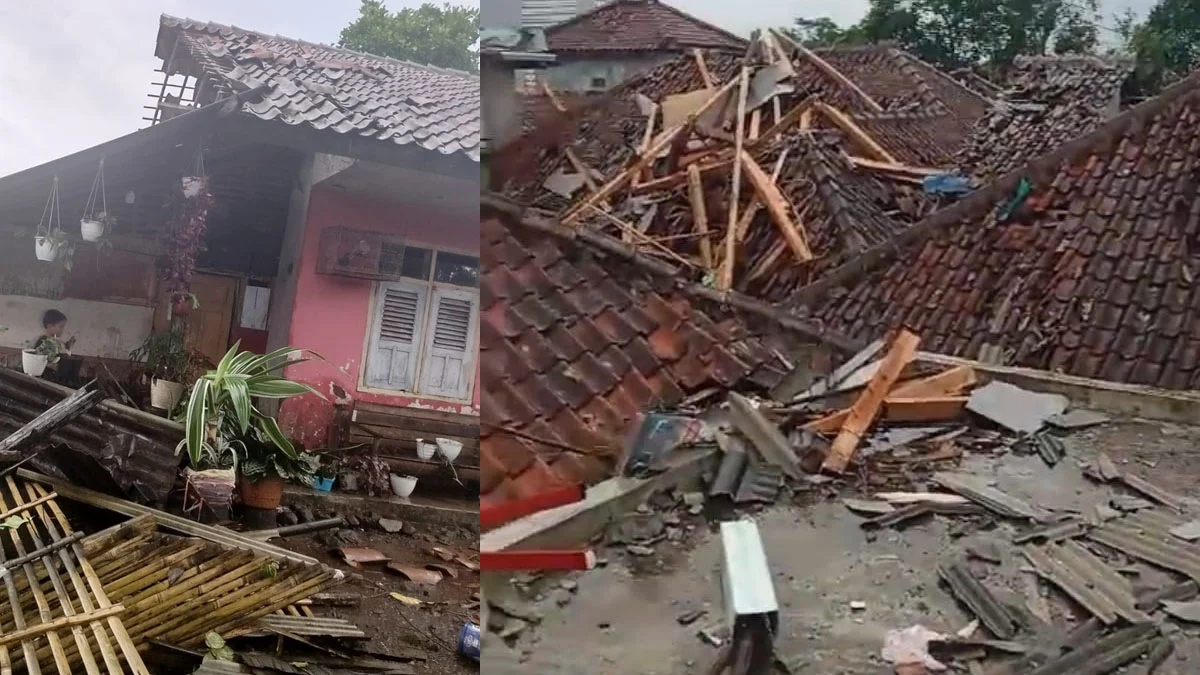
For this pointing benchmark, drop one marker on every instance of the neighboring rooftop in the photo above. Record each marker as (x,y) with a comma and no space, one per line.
(327,88)
(638,25)
(1092,274)
(1050,100)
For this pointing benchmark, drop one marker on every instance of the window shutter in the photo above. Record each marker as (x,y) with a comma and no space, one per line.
(399,314)
(449,361)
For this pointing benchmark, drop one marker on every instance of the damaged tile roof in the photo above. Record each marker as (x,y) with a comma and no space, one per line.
(1050,100)
(328,88)
(638,25)
(1093,274)
(575,344)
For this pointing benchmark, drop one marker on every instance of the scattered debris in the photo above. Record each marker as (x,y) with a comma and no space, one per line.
(1184,611)
(355,556)
(997,501)
(976,597)
(688,618)
(1077,419)
(416,574)
(391,526)
(1014,408)
(868,506)
(911,646)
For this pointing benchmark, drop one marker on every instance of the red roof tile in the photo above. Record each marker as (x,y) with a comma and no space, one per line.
(577,373)
(1093,275)
(638,25)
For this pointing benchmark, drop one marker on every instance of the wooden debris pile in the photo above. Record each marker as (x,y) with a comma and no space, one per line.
(748,184)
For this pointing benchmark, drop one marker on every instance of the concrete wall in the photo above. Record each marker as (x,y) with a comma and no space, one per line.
(29,287)
(500,101)
(575,73)
(332,314)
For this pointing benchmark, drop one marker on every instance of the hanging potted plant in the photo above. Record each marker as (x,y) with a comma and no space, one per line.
(221,409)
(45,352)
(183,303)
(96,221)
(50,241)
(169,365)
(53,246)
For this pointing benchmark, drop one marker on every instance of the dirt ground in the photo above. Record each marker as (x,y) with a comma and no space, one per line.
(393,627)
(623,618)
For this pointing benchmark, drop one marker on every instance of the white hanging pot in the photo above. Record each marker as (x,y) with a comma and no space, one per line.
(45,249)
(425,450)
(191,186)
(165,394)
(403,486)
(450,448)
(91,230)
(33,364)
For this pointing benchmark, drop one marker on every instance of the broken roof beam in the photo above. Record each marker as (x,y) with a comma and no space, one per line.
(778,207)
(864,411)
(842,121)
(554,99)
(700,215)
(706,76)
(647,158)
(42,426)
(725,278)
(792,117)
(863,162)
(680,177)
(827,68)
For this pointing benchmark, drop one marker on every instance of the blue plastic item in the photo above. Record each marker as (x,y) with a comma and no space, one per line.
(468,641)
(946,184)
(323,484)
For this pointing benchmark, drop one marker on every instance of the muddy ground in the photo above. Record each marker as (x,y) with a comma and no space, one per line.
(393,627)
(623,618)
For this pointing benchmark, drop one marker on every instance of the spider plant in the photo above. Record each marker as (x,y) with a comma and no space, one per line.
(221,408)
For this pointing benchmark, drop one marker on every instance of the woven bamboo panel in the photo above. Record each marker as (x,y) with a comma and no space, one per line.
(55,615)
(177,589)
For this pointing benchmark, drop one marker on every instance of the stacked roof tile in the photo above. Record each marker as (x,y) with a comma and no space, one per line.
(328,88)
(574,346)
(638,25)
(1092,274)
(1050,100)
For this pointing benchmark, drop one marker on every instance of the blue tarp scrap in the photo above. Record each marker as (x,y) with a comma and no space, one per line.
(946,184)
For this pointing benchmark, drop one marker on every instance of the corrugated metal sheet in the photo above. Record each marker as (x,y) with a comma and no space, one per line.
(1145,535)
(760,483)
(995,616)
(1087,580)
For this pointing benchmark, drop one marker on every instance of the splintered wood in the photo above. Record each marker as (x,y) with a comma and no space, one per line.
(59,617)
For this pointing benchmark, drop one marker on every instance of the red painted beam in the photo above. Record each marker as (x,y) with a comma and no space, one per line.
(508,511)
(533,561)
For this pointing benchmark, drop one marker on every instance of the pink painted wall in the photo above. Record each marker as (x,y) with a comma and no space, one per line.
(332,314)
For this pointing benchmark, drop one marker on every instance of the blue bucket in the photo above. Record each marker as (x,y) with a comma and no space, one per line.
(323,484)
(468,641)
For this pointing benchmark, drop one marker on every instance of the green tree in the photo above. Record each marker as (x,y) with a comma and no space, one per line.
(958,33)
(429,34)
(1166,45)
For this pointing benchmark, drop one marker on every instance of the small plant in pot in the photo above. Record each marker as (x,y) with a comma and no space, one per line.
(54,246)
(368,473)
(208,486)
(327,473)
(221,409)
(94,228)
(45,352)
(169,364)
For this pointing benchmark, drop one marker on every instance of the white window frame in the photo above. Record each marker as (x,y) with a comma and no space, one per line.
(424,329)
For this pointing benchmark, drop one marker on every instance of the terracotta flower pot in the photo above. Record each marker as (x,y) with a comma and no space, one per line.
(263,494)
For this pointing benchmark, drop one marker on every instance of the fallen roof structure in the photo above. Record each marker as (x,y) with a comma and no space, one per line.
(836,149)
(1080,261)
(637,25)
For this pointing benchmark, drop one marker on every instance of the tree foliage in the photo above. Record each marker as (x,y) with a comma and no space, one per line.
(959,33)
(429,34)
(1166,44)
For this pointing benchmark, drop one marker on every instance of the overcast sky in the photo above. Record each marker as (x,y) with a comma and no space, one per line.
(74,73)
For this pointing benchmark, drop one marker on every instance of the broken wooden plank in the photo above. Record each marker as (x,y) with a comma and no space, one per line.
(866,408)
(725,278)
(792,117)
(554,99)
(763,435)
(925,409)
(946,383)
(699,214)
(639,237)
(918,171)
(41,427)
(856,133)
(839,374)
(833,73)
(778,207)
(698,57)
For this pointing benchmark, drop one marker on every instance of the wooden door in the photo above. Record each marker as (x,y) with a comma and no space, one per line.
(209,325)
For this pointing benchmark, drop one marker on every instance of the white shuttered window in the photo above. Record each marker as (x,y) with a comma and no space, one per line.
(424,332)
